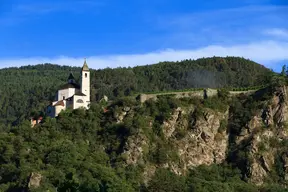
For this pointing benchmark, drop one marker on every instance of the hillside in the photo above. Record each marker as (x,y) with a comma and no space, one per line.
(30,88)
(220,143)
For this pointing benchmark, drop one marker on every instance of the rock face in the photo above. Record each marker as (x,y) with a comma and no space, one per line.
(203,144)
(262,160)
(134,149)
(170,125)
(206,139)
(263,131)
(34,180)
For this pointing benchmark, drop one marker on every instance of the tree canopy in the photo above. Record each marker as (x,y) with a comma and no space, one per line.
(31,88)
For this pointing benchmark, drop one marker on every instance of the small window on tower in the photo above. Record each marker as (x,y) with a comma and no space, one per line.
(85,75)
(63,97)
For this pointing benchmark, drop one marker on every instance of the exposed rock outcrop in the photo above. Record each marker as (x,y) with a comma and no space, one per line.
(134,149)
(170,125)
(121,113)
(34,180)
(204,143)
(269,125)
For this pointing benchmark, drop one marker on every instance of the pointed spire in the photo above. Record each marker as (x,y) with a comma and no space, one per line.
(85,66)
(71,76)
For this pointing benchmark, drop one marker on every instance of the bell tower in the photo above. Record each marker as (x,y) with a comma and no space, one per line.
(85,83)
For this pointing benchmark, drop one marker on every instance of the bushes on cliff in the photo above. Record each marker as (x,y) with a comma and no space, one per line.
(201,179)
(217,178)
(216,103)
(166,181)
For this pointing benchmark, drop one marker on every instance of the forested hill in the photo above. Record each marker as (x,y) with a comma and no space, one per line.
(220,143)
(29,88)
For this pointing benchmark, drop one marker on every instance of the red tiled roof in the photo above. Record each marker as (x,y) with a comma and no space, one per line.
(59,103)
(34,119)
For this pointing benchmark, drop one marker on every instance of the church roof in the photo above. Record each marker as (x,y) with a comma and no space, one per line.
(69,98)
(78,93)
(59,103)
(85,66)
(70,85)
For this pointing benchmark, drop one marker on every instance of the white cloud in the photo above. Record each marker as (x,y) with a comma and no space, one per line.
(225,26)
(277,32)
(268,53)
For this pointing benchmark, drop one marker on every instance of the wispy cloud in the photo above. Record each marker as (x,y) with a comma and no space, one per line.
(224,26)
(268,53)
(239,16)
(226,32)
(281,33)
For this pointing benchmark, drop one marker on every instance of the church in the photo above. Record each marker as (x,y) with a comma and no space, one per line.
(72,95)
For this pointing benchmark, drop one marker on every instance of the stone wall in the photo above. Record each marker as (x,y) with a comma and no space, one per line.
(200,94)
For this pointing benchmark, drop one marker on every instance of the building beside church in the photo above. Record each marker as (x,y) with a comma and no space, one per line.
(72,95)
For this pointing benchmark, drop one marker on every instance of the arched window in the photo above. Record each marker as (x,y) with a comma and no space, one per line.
(85,75)
(79,101)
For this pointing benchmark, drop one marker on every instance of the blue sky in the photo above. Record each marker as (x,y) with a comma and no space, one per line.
(112,33)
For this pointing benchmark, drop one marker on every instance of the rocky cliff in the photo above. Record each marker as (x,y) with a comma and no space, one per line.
(253,143)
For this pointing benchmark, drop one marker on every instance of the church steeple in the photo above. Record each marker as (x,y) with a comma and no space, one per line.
(85,83)
(85,66)
(71,78)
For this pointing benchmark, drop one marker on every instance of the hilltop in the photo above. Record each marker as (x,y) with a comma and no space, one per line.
(30,88)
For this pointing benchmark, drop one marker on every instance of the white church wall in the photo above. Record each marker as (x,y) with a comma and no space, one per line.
(71,92)
(58,109)
(79,101)
(65,93)
(85,85)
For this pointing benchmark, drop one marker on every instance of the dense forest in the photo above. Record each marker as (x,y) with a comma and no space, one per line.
(84,150)
(88,150)
(31,88)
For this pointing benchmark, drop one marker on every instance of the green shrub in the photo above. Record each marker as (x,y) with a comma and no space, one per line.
(180,134)
(215,103)
(223,126)
(262,147)
(165,180)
